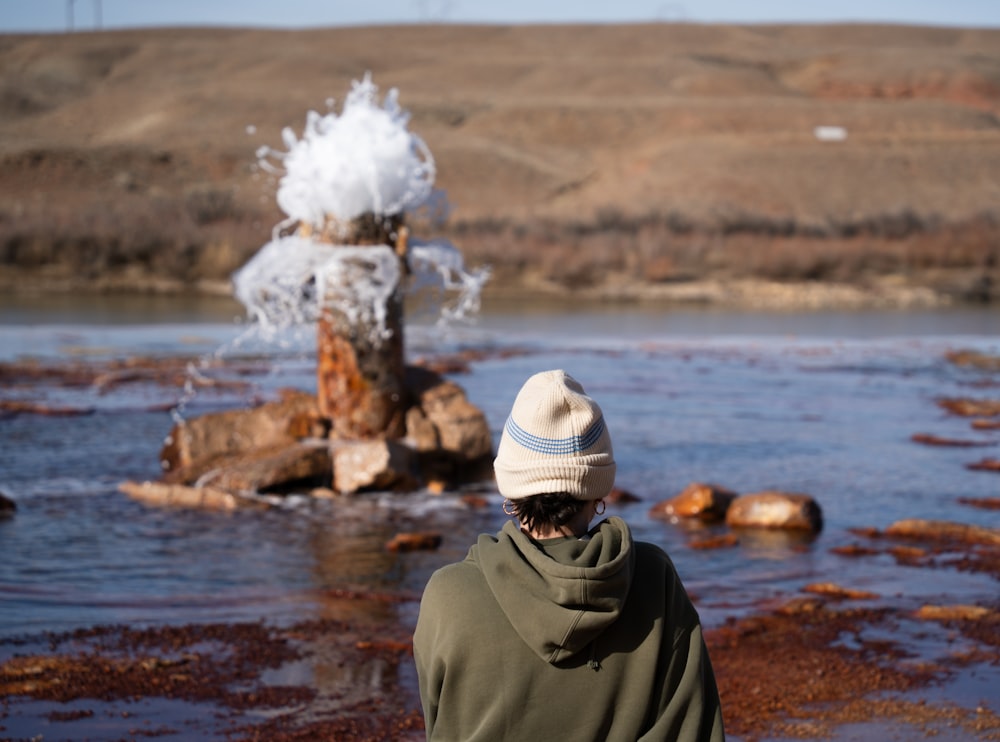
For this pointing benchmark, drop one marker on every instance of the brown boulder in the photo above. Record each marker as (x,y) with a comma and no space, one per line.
(372,465)
(194,445)
(450,435)
(277,469)
(421,434)
(781,510)
(707,502)
(461,427)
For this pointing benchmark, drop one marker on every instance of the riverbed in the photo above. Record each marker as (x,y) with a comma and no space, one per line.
(822,403)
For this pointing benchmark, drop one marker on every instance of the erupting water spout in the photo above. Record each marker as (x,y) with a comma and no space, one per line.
(343,255)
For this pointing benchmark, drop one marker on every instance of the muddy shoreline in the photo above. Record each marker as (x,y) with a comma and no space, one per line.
(800,668)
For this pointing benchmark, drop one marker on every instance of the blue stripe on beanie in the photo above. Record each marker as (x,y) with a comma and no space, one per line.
(555,446)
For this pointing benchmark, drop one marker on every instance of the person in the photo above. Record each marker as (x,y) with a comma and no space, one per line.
(551,629)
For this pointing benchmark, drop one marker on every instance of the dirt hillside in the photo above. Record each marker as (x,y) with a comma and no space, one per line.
(672,161)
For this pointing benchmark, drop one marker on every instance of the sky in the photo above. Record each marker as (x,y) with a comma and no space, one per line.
(83,15)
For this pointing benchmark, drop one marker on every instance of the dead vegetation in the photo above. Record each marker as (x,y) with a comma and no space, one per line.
(572,157)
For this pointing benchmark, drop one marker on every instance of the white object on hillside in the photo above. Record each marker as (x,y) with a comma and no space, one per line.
(830,133)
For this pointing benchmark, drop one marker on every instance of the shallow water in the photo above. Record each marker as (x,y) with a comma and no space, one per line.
(820,403)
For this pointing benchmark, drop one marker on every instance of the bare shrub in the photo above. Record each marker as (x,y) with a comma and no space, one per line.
(207,204)
(670,247)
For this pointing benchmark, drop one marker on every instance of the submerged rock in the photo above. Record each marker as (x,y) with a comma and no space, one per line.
(771,509)
(425,541)
(966,407)
(723,541)
(955,613)
(707,502)
(838,592)
(985,503)
(987,464)
(929,439)
(177,495)
(940,530)
(974,359)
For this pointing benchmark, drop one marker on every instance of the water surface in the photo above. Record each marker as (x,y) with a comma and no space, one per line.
(823,404)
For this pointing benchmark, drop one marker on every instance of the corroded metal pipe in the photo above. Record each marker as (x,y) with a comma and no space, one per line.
(359,369)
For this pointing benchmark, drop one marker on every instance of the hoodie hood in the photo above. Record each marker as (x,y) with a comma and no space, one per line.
(558,594)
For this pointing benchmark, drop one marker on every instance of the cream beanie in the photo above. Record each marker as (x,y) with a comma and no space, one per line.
(554,441)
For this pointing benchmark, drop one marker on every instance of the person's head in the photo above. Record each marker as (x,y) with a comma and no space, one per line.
(555,459)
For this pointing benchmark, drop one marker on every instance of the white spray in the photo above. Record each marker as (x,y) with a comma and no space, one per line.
(363,161)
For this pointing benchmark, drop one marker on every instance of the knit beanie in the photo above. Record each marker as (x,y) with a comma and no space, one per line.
(554,441)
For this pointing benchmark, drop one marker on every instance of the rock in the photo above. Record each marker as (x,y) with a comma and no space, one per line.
(985,503)
(939,530)
(426,541)
(476,502)
(7,506)
(195,446)
(987,464)
(273,447)
(159,493)
(372,465)
(797,606)
(832,590)
(451,435)
(953,613)
(782,510)
(461,427)
(853,550)
(11,407)
(911,555)
(305,466)
(619,496)
(421,433)
(933,440)
(971,407)
(707,502)
(974,359)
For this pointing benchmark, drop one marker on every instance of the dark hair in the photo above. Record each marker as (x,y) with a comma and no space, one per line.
(551,510)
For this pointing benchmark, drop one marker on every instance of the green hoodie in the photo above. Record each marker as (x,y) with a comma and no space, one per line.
(563,639)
